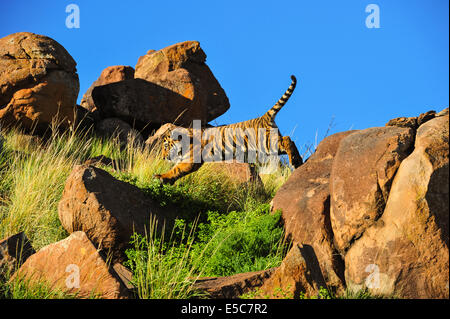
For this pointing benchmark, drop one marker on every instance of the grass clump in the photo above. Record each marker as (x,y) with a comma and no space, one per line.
(163,268)
(20,288)
(242,241)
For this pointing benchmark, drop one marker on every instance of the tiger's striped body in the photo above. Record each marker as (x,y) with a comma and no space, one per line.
(261,125)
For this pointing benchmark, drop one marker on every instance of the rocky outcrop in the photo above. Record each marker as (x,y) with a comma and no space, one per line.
(106,209)
(38,82)
(412,122)
(74,266)
(405,253)
(379,205)
(172,85)
(111,74)
(304,200)
(362,173)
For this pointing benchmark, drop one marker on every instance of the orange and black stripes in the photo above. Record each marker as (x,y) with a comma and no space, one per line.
(265,122)
(282,101)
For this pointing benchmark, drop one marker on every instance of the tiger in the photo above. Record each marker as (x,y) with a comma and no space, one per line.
(266,122)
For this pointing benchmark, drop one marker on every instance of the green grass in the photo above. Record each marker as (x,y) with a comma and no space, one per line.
(241,241)
(163,268)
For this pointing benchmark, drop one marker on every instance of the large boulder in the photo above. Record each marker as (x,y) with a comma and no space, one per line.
(111,74)
(140,103)
(405,253)
(74,266)
(172,85)
(38,82)
(304,200)
(181,68)
(107,210)
(361,176)
(238,173)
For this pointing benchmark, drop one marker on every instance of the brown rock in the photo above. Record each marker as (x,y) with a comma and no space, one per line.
(412,122)
(299,273)
(232,286)
(444,112)
(404,122)
(239,173)
(181,69)
(38,82)
(74,266)
(84,119)
(106,209)
(111,74)
(14,251)
(138,102)
(304,200)
(362,172)
(405,253)
(103,160)
(125,275)
(425,117)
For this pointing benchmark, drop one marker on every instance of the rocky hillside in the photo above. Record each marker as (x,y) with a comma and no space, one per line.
(368,210)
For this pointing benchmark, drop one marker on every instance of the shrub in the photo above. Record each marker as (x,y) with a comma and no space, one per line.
(240,241)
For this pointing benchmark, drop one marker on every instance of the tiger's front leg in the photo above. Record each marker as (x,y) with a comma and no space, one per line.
(178,171)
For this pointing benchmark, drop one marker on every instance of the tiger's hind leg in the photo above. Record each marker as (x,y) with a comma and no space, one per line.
(287,146)
(178,171)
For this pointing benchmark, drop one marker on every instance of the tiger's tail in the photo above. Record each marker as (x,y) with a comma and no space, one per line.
(282,101)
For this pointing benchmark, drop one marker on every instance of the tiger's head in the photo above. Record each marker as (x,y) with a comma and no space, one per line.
(172,142)
(167,145)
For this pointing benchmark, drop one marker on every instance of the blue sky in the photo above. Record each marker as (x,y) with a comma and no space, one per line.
(355,76)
